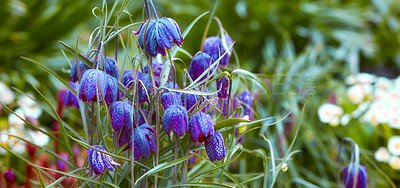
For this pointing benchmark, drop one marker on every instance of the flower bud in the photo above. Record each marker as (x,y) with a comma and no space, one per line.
(82,68)
(215,147)
(349,175)
(145,88)
(111,67)
(70,99)
(214,47)
(223,87)
(60,164)
(175,117)
(200,127)
(246,99)
(9,177)
(127,78)
(199,64)
(99,161)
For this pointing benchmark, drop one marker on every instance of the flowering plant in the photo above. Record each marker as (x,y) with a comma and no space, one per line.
(148,117)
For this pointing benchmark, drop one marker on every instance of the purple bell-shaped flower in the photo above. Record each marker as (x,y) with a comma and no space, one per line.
(156,68)
(200,127)
(9,177)
(246,100)
(99,161)
(199,64)
(121,115)
(93,81)
(125,135)
(191,101)
(214,47)
(70,99)
(145,88)
(223,87)
(160,34)
(127,78)
(175,117)
(170,98)
(111,67)
(349,175)
(81,66)
(215,147)
(145,141)
(60,164)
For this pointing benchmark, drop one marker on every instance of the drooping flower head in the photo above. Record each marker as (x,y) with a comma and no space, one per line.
(156,68)
(223,87)
(170,98)
(124,137)
(60,164)
(70,99)
(214,47)
(111,67)
(199,64)
(200,127)
(121,115)
(175,117)
(145,88)
(157,35)
(74,70)
(246,99)
(93,81)
(9,177)
(99,161)
(144,138)
(215,146)
(190,100)
(349,173)
(127,78)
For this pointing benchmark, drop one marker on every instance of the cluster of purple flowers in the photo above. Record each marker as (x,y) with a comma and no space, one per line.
(182,111)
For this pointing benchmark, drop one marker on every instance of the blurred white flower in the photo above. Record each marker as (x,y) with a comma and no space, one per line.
(350,80)
(382,154)
(330,113)
(14,120)
(394,145)
(39,138)
(33,111)
(383,83)
(394,120)
(356,94)
(365,78)
(6,95)
(395,162)
(24,101)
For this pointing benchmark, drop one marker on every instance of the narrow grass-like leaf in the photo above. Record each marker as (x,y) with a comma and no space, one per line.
(187,30)
(85,60)
(202,185)
(163,166)
(50,72)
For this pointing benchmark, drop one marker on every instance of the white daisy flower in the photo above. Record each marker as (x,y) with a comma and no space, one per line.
(382,155)
(330,113)
(394,145)
(356,94)
(395,162)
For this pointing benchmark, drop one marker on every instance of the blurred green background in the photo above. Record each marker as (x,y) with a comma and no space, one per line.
(302,49)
